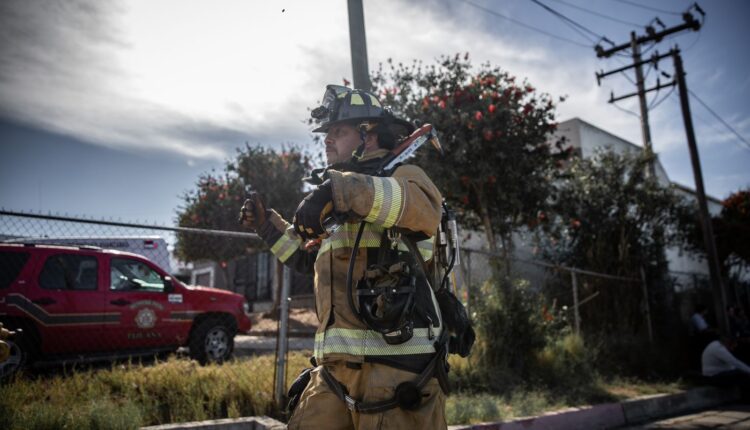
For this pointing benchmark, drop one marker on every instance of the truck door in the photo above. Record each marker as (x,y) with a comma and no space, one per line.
(67,302)
(138,293)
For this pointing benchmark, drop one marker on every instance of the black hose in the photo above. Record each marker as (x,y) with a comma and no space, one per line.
(350,271)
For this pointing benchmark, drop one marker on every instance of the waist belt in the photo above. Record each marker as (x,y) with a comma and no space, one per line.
(408,394)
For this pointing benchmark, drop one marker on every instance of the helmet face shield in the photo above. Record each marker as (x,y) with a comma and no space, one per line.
(325,112)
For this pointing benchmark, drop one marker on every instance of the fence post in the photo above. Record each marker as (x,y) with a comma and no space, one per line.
(281,345)
(468,269)
(647,307)
(576,315)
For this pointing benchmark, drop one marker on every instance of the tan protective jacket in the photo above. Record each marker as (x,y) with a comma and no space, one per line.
(408,199)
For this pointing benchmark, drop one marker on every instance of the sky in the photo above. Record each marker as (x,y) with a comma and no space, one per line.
(113,108)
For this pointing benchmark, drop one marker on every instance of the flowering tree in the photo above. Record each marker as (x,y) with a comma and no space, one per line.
(732,229)
(215,203)
(498,164)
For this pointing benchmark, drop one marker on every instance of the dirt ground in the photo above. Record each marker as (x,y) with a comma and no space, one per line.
(300,320)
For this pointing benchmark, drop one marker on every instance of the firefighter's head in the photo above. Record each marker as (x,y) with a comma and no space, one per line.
(354,120)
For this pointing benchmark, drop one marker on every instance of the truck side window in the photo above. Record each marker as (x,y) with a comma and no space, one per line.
(127,274)
(11,264)
(69,272)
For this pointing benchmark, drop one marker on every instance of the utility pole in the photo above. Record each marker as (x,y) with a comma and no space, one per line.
(708,233)
(690,23)
(645,129)
(358,43)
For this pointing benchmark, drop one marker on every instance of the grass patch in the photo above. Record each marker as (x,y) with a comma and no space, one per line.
(475,408)
(130,395)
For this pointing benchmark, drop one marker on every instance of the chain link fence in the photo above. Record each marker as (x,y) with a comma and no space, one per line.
(80,302)
(76,302)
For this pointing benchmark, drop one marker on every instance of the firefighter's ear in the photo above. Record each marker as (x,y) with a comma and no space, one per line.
(371,142)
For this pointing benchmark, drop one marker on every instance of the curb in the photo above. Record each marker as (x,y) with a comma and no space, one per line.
(614,415)
(247,423)
(602,416)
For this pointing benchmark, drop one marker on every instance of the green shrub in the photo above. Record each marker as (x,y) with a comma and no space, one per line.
(566,362)
(510,330)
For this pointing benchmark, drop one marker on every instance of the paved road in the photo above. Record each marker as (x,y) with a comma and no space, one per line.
(259,344)
(724,417)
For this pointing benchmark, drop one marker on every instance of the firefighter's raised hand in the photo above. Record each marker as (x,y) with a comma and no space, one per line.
(253,212)
(312,211)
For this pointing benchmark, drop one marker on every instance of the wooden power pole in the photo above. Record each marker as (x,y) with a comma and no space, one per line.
(690,23)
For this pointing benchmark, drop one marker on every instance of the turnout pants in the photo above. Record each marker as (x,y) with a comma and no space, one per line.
(320,408)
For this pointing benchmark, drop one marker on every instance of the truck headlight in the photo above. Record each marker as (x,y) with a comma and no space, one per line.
(246,308)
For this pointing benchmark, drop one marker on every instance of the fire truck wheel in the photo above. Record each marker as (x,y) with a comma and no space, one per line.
(212,341)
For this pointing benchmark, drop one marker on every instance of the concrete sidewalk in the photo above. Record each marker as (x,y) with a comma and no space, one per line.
(616,415)
(597,417)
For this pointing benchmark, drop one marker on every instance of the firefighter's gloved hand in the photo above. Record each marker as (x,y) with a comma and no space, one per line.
(312,211)
(253,212)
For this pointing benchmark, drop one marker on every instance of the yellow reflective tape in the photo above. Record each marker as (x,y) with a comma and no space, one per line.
(285,246)
(387,202)
(396,203)
(357,99)
(279,243)
(377,201)
(374,101)
(283,256)
(424,247)
(369,342)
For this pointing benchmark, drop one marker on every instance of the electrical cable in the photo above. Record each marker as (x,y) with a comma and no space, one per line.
(554,36)
(626,110)
(601,15)
(656,104)
(653,9)
(721,120)
(571,23)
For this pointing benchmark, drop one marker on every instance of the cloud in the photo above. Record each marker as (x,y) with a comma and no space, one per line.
(196,79)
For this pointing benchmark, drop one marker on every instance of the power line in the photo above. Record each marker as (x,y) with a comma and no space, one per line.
(571,23)
(653,9)
(711,124)
(601,15)
(499,15)
(721,120)
(626,110)
(656,104)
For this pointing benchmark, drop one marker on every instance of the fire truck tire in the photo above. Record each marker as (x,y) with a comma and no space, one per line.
(212,341)
(22,353)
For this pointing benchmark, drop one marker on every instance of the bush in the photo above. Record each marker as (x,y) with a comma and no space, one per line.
(521,345)
(566,364)
(510,330)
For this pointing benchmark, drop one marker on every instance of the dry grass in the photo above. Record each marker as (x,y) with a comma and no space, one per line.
(132,395)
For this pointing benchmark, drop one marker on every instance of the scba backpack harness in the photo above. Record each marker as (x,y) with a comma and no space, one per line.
(395,292)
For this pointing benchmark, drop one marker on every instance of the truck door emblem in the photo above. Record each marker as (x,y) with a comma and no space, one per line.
(175,298)
(146,318)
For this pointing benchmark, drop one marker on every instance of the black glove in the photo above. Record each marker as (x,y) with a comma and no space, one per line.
(253,212)
(312,211)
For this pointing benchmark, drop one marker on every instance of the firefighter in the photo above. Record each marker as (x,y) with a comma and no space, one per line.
(380,347)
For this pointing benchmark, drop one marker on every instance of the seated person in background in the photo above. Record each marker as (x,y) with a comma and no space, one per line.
(698,322)
(723,369)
